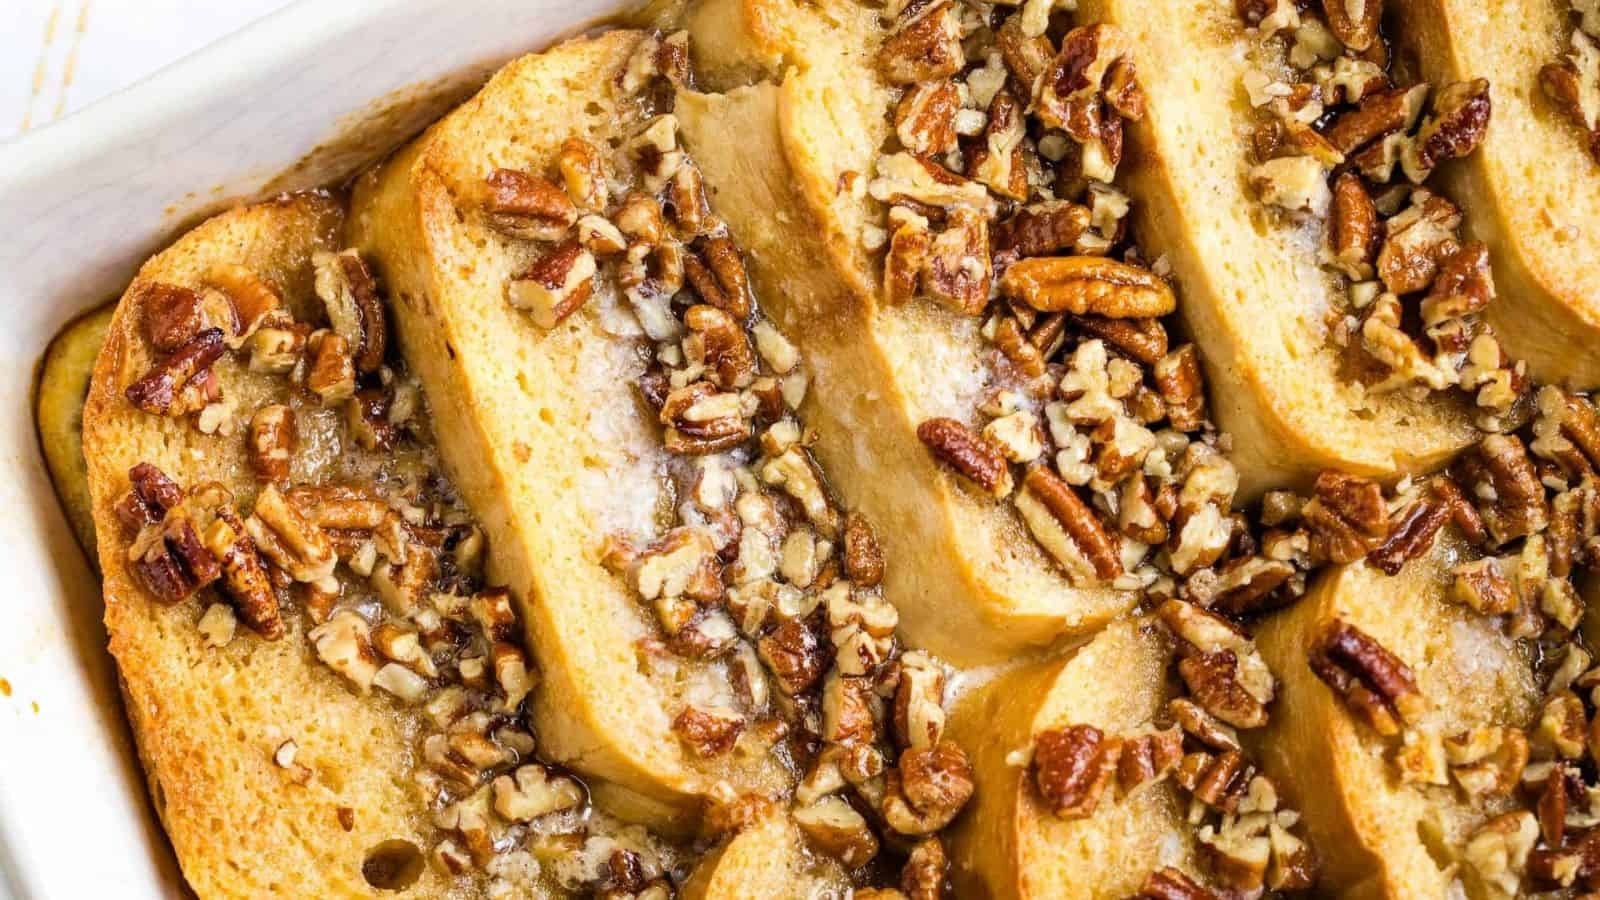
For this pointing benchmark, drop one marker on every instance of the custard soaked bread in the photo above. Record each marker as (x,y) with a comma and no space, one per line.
(767,859)
(708,619)
(325,700)
(1530,192)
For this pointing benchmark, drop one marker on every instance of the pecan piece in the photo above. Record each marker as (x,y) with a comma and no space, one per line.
(999,159)
(171,314)
(1411,536)
(708,732)
(1346,517)
(717,274)
(958,447)
(1149,758)
(244,577)
(1354,22)
(272,440)
(1379,114)
(1068,529)
(151,493)
(925,872)
(724,345)
(1374,683)
(863,559)
(1040,229)
(556,285)
(1511,496)
(1072,766)
(332,374)
(929,787)
(1143,340)
(1087,285)
(351,296)
(699,420)
(583,173)
(958,268)
(925,45)
(183,382)
(1463,286)
(925,118)
(1182,388)
(171,561)
(285,536)
(1220,780)
(523,205)
(1483,587)
(1168,883)
(1353,227)
(1455,128)
(794,655)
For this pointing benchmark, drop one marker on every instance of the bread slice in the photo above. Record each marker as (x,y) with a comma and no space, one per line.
(1250,289)
(766,859)
(1377,835)
(542,430)
(209,721)
(1523,190)
(63,385)
(1010,844)
(970,583)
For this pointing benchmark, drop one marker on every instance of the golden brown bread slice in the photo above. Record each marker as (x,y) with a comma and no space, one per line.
(1379,836)
(64,376)
(766,859)
(970,584)
(1010,844)
(1251,291)
(209,721)
(1530,191)
(542,430)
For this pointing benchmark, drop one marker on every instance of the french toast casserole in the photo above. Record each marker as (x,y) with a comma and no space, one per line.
(920,449)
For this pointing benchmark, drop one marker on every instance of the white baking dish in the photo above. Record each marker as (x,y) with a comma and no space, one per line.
(301,98)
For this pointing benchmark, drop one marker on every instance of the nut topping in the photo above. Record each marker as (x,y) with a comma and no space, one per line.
(525,206)
(556,286)
(351,297)
(1087,285)
(272,441)
(924,46)
(183,382)
(955,445)
(1068,529)
(1373,682)
(1072,767)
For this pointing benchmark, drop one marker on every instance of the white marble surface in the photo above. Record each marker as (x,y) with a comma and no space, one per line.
(57,56)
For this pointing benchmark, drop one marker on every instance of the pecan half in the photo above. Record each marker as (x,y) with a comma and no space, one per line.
(1511,497)
(523,205)
(958,447)
(1092,285)
(1143,340)
(1040,229)
(717,274)
(1353,227)
(171,314)
(1411,535)
(1182,388)
(1374,683)
(699,420)
(1066,527)
(928,788)
(1072,766)
(183,382)
(355,313)
(151,493)
(863,559)
(272,441)
(1377,115)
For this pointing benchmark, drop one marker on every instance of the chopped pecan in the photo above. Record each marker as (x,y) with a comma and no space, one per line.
(1376,685)
(903,263)
(1418,240)
(1463,286)
(794,655)
(354,311)
(999,159)
(1089,285)
(708,732)
(1354,22)
(925,119)
(863,559)
(1072,766)
(1483,587)
(848,716)
(723,345)
(1144,340)
(255,303)
(1346,517)
(151,493)
(699,420)
(1213,680)
(1068,529)
(929,787)
(919,701)
(1377,115)
(285,536)
(926,871)
(925,44)
(1411,535)
(836,829)
(171,314)
(183,382)
(1202,726)
(1149,758)
(955,445)
(344,644)
(1182,388)
(1511,497)
(583,172)
(272,441)
(1220,780)
(332,374)
(1353,227)
(1043,228)
(717,274)
(171,561)
(1567,432)
(957,271)
(556,285)
(1499,852)
(243,575)
(1454,128)
(1562,787)
(523,205)
(1025,55)
(1248,584)
(1487,760)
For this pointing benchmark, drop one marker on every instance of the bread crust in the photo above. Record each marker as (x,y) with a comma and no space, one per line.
(207,721)
(1523,190)
(1009,845)
(1251,292)
(970,584)
(541,430)
(1368,828)
(766,859)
